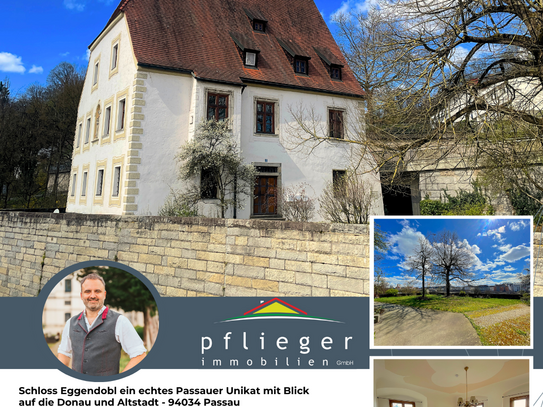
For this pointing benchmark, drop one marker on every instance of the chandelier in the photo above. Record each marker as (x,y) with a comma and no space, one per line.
(472,402)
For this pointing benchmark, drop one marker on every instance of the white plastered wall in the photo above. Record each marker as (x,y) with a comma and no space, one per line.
(112,86)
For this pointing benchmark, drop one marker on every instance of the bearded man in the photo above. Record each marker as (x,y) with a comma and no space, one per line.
(93,339)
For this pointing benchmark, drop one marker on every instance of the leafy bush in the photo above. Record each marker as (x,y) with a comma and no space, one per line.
(525,297)
(464,203)
(462,293)
(391,292)
(525,205)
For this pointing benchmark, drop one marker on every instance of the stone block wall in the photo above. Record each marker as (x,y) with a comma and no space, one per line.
(189,256)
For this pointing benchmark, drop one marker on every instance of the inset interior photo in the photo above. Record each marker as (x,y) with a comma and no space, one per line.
(100,321)
(451,382)
(452,281)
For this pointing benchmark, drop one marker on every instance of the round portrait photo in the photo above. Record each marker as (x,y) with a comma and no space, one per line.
(100,321)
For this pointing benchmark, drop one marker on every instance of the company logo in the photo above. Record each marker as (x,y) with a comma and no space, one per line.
(277,309)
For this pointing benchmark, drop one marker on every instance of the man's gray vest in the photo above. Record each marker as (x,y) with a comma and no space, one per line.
(95,352)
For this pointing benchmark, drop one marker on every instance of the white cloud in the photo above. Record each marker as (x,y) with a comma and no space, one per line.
(36,69)
(87,55)
(404,242)
(516,226)
(64,54)
(516,253)
(343,10)
(504,248)
(509,268)
(76,5)
(393,257)
(496,234)
(11,63)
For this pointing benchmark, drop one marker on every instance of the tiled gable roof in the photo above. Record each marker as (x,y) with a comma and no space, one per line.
(195,36)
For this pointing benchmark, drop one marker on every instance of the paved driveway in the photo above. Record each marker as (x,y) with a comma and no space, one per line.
(407,326)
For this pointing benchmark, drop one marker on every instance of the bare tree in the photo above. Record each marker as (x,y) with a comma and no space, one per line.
(296,203)
(347,200)
(452,259)
(463,88)
(420,262)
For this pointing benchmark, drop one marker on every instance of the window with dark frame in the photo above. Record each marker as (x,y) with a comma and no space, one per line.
(259,25)
(250,58)
(265,122)
(95,78)
(338,181)
(121,113)
(217,106)
(87,133)
(116,181)
(520,401)
(68,286)
(335,72)
(399,403)
(208,184)
(84,186)
(114,56)
(99,182)
(79,131)
(74,179)
(300,65)
(335,123)
(107,122)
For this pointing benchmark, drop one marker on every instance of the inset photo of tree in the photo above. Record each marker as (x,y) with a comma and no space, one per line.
(452,281)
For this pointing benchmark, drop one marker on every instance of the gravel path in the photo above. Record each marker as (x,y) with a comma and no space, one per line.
(492,319)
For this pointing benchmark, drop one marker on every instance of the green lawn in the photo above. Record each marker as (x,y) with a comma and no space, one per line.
(452,304)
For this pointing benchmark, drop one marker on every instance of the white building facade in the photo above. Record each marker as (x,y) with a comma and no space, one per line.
(140,105)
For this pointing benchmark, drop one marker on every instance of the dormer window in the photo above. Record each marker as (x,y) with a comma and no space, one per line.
(335,72)
(247,49)
(332,63)
(300,66)
(297,56)
(259,25)
(250,58)
(258,21)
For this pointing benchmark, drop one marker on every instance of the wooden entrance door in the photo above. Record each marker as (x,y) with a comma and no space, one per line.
(265,195)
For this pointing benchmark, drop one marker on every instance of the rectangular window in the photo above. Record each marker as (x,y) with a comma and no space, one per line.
(84,186)
(79,130)
(521,401)
(116,181)
(397,403)
(208,184)
(74,179)
(300,66)
(265,117)
(259,25)
(335,72)
(217,106)
(68,302)
(87,131)
(338,182)
(68,286)
(121,112)
(95,77)
(107,122)
(335,123)
(250,58)
(114,55)
(99,182)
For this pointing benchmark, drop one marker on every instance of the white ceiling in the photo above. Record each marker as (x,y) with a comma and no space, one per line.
(448,375)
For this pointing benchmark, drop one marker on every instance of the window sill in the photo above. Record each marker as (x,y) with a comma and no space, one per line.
(268,217)
(96,140)
(273,135)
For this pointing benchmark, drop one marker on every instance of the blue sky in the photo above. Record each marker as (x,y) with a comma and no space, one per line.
(499,248)
(38,35)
